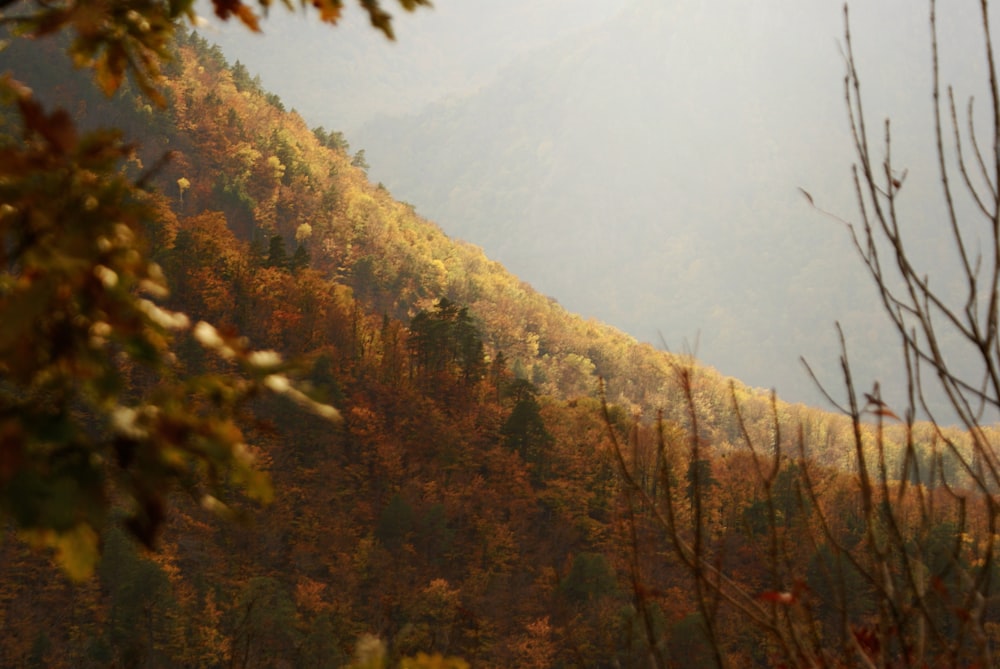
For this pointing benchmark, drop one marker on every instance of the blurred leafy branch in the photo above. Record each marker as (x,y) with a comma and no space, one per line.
(134,37)
(98,418)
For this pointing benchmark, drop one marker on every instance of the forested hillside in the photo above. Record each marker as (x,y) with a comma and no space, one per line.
(471,503)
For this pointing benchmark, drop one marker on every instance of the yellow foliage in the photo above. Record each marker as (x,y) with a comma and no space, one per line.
(77,550)
(436,661)
(369,653)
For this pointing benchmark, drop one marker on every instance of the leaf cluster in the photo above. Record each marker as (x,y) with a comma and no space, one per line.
(134,37)
(97,415)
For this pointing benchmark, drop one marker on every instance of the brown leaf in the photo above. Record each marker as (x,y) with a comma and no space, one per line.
(247,16)
(329,10)
(226,8)
(52,21)
(110,68)
(57,128)
(380,19)
(786,598)
(884,411)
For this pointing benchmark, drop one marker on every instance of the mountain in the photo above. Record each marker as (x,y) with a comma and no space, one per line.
(450,49)
(473,501)
(646,171)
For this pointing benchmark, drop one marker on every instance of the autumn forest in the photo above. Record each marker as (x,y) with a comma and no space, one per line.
(255,412)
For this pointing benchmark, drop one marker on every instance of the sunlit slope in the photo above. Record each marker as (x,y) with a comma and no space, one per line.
(647,172)
(236,150)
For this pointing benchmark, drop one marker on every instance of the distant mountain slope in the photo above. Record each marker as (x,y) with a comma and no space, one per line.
(453,48)
(647,173)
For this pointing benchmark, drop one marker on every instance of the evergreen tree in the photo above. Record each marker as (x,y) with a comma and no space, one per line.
(277,256)
(447,339)
(300,259)
(524,430)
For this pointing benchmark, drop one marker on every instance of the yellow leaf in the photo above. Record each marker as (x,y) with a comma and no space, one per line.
(77,550)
